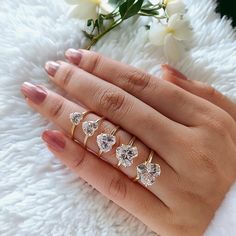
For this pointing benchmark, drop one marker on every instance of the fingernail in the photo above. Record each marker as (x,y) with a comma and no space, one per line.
(173,72)
(34,93)
(51,67)
(74,55)
(54,139)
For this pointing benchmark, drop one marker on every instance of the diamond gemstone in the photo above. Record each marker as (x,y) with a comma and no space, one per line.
(76,117)
(105,142)
(148,172)
(90,127)
(125,154)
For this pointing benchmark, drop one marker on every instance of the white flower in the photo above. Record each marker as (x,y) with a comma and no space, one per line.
(174,6)
(170,36)
(155,1)
(88,9)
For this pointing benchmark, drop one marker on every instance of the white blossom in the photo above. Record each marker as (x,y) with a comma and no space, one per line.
(88,9)
(174,6)
(171,35)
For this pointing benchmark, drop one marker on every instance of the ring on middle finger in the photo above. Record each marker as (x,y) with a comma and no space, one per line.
(105,142)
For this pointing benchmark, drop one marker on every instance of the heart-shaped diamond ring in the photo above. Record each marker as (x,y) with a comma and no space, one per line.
(126,153)
(89,128)
(76,118)
(105,142)
(147,172)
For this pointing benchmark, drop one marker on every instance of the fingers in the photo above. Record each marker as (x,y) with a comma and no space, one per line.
(159,94)
(109,181)
(58,109)
(200,89)
(118,106)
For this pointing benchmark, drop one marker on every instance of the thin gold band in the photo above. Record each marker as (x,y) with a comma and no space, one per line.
(113,132)
(74,126)
(149,160)
(131,143)
(87,136)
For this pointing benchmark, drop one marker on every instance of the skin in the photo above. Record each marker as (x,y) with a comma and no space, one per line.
(190,126)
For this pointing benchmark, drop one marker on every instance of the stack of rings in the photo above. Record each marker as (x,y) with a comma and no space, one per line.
(147,172)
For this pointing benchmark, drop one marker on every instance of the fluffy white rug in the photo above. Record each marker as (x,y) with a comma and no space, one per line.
(39,196)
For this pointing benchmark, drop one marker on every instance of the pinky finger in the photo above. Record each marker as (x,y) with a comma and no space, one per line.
(108,180)
(200,89)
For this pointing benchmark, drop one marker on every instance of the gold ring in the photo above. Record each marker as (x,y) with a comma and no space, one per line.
(76,118)
(105,142)
(126,153)
(147,172)
(90,127)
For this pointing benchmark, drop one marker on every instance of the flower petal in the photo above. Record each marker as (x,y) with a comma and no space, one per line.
(183,31)
(157,34)
(175,6)
(180,27)
(106,8)
(155,1)
(85,10)
(172,20)
(173,49)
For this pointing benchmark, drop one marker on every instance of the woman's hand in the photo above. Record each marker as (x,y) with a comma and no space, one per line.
(194,139)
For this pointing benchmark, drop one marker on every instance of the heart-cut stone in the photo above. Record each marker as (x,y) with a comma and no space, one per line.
(90,127)
(76,117)
(125,155)
(105,142)
(148,172)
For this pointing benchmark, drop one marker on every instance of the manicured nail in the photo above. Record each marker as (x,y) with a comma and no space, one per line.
(51,67)
(36,94)
(173,72)
(74,55)
(54,139)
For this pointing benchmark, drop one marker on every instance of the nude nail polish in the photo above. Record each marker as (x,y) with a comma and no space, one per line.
(74,55)
(174,72)
(51,67)
(36,94)
(54,139)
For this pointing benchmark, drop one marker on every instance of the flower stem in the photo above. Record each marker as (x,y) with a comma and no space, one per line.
(98,37)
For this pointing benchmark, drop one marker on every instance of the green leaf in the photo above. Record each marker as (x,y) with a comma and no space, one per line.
(149,12)
(130,8)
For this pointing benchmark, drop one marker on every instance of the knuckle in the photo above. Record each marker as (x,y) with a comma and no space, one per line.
(202,158)
(96,63)
(57,108)
(207,164)
(210,91)
(67,75)
(137,80)
(117,188)
(220,122)
(177,95)
(112,101)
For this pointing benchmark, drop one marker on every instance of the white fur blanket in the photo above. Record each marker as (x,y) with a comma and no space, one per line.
(38,195)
